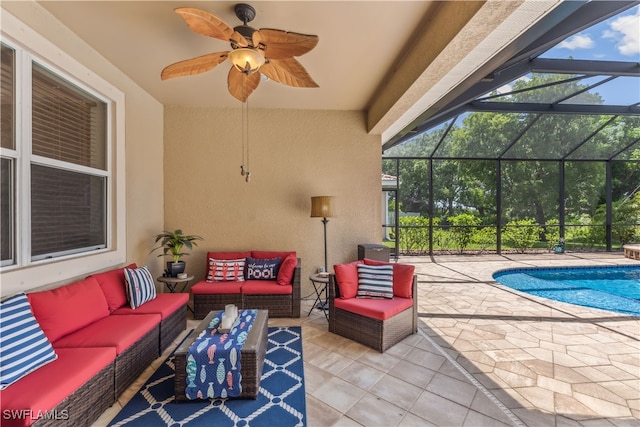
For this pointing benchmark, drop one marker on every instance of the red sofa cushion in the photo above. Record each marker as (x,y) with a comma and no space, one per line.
(43,389)
(112,284)
(347,278)
(208,288)
(163,304)
(287,267)
(260,287)
(402,277)
(381,309)
(227,255)
(69,308)
(113,331)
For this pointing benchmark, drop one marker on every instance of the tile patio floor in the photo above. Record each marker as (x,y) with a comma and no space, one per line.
(484,356)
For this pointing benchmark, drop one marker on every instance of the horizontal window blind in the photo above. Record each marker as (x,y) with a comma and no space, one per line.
(68,211)
(68,124)
(7,99)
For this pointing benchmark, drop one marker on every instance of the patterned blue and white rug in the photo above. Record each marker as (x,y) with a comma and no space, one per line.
(281,399)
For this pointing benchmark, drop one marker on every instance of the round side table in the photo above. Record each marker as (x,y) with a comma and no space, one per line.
(173,282)
(320,284)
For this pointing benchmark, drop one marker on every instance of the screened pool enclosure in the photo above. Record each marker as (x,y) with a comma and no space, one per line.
(541,153)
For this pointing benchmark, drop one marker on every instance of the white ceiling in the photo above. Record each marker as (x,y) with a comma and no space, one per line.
(358,44)
(357,57)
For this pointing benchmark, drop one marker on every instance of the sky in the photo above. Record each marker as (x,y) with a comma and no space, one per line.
(614,39)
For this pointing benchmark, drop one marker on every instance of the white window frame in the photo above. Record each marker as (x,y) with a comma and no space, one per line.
(26,274)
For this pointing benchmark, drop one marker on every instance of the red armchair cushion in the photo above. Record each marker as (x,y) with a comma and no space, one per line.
(204,287)
(402,277)
(164,305)
(287,267)
(68,308)
(43,389)
(265,287)
(347,278)
(381,309)
(113,331)
(112,285)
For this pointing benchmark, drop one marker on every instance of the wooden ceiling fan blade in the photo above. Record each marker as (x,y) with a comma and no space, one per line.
(242,85)
(288,71)
(190,67)
(204,23)
(280,44)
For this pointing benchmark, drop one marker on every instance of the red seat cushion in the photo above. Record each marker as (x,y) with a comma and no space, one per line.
(381,309)
(213,288)
(66,309)
(402,277)
(112,284)
(261,287)
(113,331)
(43,389)
(287,267)
(347,278)
(163,304)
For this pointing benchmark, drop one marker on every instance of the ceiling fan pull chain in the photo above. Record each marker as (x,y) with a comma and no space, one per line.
(247,178)
(243,170)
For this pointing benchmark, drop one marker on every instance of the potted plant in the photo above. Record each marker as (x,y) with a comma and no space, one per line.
(172,244)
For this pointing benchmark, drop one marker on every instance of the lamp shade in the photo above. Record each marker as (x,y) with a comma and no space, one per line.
(246,60)
(322,206)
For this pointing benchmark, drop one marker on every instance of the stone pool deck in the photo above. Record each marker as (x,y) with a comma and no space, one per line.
(549,363)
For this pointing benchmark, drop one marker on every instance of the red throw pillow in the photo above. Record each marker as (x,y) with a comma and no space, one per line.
(285,274)
(347,278)
(287,267)
(402,277)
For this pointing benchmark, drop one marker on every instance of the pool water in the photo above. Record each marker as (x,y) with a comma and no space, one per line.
(607,288)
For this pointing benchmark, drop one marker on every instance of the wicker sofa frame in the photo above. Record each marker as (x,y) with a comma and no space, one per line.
(278,305)
(377,334)
(87,403)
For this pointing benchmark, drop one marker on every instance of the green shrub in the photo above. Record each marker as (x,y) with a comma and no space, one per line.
(462,230)
(522,234)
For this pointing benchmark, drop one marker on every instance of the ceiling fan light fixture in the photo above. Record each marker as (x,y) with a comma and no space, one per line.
(246,60)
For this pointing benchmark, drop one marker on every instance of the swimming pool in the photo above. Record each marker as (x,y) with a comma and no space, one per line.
(615,288)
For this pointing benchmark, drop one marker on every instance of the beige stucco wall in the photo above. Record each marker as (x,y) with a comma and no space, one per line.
(294,155)
(183,171)
(144,138)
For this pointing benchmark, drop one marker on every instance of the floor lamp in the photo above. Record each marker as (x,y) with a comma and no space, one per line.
(321,207)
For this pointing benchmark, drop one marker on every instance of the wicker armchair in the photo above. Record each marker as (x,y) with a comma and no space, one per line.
(377,334)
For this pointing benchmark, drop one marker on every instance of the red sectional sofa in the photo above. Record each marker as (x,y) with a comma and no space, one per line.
(102,346)
(280,295)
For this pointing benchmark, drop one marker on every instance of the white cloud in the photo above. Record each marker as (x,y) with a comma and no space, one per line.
(579,41)
(626,31)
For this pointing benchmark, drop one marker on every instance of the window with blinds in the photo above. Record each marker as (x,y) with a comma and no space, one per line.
(7,141)
(64,205)
(68,203)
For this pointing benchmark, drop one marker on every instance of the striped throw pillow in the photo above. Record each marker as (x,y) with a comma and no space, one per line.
(375,281)
(140,286)
(226,270)
(23,346)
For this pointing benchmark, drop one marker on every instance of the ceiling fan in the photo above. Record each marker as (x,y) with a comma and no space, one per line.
(269,51)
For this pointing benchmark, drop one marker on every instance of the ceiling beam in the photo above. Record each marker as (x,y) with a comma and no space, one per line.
(536,108)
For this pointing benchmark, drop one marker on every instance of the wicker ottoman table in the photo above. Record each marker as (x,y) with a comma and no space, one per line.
(251,359)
